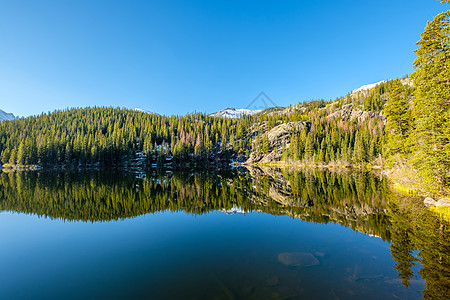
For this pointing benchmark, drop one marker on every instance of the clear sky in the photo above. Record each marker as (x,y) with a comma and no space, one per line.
(176,57)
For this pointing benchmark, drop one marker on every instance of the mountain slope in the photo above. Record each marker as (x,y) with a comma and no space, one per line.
(368,86)
(234,113)
(145,111)
(4,116)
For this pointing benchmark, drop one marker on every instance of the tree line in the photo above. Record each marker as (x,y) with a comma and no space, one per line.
(406,121)
(109,136)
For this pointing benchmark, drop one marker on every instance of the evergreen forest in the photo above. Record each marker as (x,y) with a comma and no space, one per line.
(401,122)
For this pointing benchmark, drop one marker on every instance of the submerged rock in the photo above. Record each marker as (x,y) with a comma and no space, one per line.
(273,281)
(298,259)
(319,254)
(429,201)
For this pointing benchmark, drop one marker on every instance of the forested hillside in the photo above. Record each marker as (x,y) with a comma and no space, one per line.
(339,132)
(110,136)
(398,122)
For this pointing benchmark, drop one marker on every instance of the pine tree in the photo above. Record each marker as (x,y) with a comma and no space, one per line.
(21,154)
(359,151)
(198,146)
(265,144)
(5,156)
(309,147)
(432,100)
(12,157)
(398,119)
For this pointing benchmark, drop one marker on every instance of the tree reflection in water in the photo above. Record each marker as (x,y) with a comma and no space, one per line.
(360,200)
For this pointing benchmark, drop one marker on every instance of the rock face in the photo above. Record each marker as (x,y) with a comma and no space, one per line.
(282,132)
(278,137)
(298,259)
(347,113)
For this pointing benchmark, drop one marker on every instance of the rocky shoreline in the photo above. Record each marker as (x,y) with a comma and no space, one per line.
(444,202)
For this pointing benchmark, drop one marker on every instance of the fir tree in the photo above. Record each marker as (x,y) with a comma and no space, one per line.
(398,119)
(432,100)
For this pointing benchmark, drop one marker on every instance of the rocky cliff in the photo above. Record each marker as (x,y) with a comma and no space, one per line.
(278,137)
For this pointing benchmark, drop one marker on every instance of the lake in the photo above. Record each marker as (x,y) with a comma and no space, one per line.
(243,234)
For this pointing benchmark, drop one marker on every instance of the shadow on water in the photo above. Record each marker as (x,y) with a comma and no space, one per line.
(358,200)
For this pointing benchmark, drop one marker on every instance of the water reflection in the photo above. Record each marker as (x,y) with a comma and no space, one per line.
(358,200)
(416,230)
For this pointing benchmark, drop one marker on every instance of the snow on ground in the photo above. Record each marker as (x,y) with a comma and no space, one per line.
(234,113)
(368,86)
(4,116)
(145,111)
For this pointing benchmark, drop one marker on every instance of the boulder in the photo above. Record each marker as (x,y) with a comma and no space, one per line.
(429,201)
(443,202)
(273,281)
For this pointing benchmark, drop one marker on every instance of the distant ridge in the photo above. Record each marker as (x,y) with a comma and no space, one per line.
(234,113)
(145,111)
(4,116)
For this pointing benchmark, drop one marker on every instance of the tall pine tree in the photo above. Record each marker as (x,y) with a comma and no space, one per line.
(432,100)
(398,121)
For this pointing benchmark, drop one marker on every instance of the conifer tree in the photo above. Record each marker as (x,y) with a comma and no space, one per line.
(265,144)
(21,155)
(5,156)
(432,100)
(359,152)
(12,157)
(398,119)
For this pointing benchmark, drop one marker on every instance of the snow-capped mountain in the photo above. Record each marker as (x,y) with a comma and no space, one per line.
(145,111)
(4,116)
(368,86)
(234,113)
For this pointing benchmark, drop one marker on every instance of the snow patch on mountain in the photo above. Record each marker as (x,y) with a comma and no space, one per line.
(368,86)
(145,111)
(234,113)
(4,116)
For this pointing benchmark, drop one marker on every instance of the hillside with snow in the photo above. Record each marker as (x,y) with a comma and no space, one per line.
(145,111)
(4,116)
(368,86)
(234,113)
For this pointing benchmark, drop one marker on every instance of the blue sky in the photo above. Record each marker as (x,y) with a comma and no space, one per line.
(176,57)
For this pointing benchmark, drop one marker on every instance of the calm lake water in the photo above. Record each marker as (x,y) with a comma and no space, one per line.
(258,234)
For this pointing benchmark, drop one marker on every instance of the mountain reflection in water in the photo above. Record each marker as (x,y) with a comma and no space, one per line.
(359,200)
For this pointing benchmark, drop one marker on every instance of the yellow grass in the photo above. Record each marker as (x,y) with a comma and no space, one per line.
(442,212)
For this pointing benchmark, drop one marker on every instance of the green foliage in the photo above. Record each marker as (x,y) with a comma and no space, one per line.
(265,144)
(431,109)
(415,228)
(398,124)
(416,128)
(113,136)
